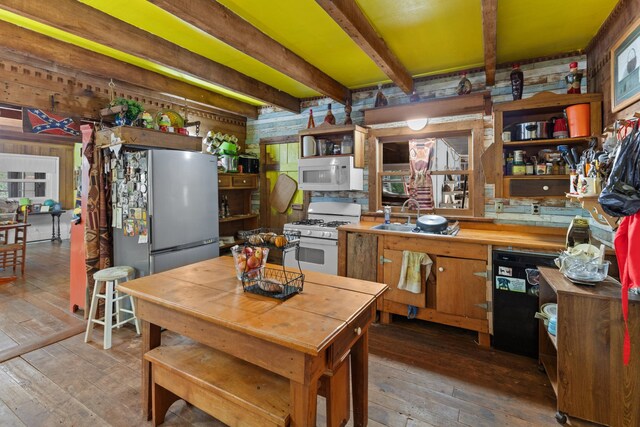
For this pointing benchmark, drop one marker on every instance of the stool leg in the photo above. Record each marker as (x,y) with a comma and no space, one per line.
(108,315)
(116,296)
(92,312)
(135,316)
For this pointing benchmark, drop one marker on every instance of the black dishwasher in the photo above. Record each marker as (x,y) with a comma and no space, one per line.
(515,300)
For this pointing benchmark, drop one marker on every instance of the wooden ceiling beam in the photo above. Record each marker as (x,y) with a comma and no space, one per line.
(220,22)
(352,20)
(489,30)
(109,31)
(32,44)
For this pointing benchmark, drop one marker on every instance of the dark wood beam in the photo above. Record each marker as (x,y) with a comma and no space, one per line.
(109,31)
(31,44)
(489,29)
(351,19)
(223,24)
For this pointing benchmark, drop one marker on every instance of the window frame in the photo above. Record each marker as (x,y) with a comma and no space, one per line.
(474,129)
(52,173)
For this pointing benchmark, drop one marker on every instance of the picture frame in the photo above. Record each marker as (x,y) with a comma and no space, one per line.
(625,68)
(35,208)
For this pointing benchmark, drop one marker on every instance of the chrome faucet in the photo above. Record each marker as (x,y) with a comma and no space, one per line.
(415,202)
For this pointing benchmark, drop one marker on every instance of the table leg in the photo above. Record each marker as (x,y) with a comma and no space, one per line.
(58,238)
(360,380)
(151,338)
(304,402)
(53,228)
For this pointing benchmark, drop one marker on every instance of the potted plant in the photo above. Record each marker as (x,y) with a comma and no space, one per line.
(128,111)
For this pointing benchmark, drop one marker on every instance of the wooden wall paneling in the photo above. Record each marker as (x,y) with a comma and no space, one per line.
(476,179)
(63,152)
(599,59)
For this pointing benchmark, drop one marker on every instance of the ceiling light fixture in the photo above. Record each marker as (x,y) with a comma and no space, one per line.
(417,124)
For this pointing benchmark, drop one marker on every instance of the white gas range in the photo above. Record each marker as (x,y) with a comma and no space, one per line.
(319,235)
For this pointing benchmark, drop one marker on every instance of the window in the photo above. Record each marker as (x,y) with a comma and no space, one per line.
(434,166)
(33,177)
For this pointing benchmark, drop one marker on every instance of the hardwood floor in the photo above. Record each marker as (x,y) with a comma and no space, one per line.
(421,374)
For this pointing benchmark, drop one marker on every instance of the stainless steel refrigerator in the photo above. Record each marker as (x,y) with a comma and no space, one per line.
(180,207)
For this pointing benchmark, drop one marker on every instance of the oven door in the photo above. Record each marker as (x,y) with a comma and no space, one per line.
(315,255)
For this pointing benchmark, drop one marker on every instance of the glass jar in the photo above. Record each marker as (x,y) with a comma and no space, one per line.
(347,144)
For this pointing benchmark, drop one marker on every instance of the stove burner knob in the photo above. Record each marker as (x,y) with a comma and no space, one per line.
(326,234)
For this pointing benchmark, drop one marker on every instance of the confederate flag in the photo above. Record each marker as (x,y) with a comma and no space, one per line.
(38,121)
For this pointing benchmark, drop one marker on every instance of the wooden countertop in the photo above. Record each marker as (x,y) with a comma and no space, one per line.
(524,240)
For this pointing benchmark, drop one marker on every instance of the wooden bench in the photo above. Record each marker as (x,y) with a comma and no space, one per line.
(232,390)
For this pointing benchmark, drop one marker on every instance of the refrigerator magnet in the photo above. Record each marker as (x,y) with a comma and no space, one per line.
(511,284)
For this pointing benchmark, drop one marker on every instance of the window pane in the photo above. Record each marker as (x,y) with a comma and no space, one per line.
(394,190)
(41,189)
(15,175)
(3,175)
(40,175)
(15,189)
(451,191)
(29,189)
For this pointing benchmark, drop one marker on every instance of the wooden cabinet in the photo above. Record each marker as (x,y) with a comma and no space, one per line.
(335,135)
(540,107)
(237,187)
(584,360)
(460,291)
(452,294)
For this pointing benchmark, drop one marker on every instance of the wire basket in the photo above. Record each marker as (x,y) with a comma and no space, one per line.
(268,237)
(273,282)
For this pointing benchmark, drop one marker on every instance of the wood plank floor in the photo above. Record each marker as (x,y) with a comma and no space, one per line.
(421,374)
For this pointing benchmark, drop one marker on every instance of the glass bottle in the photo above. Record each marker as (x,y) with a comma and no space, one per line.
(347,111)
(517,82)
(311,123)
(381,100)
(573,79)
(330,118)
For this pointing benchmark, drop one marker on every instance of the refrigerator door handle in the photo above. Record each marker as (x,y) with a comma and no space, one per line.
(149,228)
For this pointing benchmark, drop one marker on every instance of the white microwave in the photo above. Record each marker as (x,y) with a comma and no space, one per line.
(329,174)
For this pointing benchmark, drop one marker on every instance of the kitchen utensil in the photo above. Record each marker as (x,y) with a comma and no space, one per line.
(282,193)
(309,146)
(432,223)
(530,130)
(249,163)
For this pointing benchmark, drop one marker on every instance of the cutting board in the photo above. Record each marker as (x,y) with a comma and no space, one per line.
(282,193)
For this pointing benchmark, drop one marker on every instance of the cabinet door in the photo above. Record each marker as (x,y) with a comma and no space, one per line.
(392,268)
(458,290)
(362,250)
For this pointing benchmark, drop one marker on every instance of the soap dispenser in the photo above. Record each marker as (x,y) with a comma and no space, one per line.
(387,214)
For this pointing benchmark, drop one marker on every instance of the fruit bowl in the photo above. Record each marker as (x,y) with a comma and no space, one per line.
(249,259)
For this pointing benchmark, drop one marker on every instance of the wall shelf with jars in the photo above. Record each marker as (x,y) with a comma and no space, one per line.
(328,140)
(537,140)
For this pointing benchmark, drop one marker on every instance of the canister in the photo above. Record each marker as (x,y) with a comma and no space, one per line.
(528,169)
(519,168)
(541,169)
(549,169)
(518,156)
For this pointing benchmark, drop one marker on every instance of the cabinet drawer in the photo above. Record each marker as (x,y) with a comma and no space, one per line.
(224,181)
(244,181)
(537,187)
(355,328)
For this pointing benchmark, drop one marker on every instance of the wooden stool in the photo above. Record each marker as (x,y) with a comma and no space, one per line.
(111,277)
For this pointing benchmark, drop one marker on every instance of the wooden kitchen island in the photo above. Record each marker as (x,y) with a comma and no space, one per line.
(300,338)
(458,290)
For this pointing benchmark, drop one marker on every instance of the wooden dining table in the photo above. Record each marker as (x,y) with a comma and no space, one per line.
(299,338)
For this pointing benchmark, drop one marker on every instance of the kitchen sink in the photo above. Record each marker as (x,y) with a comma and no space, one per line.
(404,228)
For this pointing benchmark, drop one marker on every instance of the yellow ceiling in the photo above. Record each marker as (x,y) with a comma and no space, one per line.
(428,36)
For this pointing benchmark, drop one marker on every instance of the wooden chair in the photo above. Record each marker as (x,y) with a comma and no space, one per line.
(232,390)
(14,254)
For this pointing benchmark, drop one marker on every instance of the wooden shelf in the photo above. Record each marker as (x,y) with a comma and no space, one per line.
(238,218)
(553,141)
(537,177)
(328,157)
(148,138)
(550,364)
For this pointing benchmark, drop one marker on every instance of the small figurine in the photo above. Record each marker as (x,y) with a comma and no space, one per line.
(517,82)
(147,120)
(347,111)
(464,85)
(311,123)
(414,96)
(573,79)
(164,123)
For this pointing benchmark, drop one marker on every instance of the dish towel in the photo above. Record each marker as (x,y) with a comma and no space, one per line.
(410,277)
